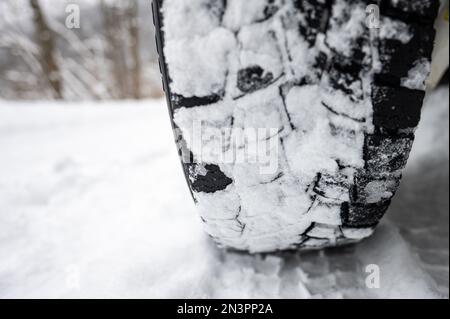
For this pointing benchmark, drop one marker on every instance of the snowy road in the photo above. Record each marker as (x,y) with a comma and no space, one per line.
(93,203)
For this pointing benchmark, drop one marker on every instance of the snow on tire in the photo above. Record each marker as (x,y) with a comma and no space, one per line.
(343,100)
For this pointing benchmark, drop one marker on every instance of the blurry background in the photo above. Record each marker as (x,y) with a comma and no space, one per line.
(45,54)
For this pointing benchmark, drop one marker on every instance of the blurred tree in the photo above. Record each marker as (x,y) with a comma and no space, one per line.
(133,19)
(114,50)
(45,39)
(121,22)
(111,56)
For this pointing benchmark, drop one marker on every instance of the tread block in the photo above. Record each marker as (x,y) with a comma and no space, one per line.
(253,79)
(398,58)
(349,15)
(344,75)
(332,187)
(208,178)
(363,215)
(316,13)
(242,13)
(271,9)
(386,154)
(410,10)
(396,108)
(369,189)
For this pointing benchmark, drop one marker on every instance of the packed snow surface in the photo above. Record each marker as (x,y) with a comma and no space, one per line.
(93,203)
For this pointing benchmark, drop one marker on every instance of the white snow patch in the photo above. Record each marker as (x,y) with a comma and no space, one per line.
(191,18)
(395,30)
(204,58)
(341,38)
(417,76)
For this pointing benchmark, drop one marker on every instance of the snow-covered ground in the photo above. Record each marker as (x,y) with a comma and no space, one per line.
(93,203)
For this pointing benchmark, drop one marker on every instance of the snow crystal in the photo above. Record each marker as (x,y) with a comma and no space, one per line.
(417,76)
(395,30)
